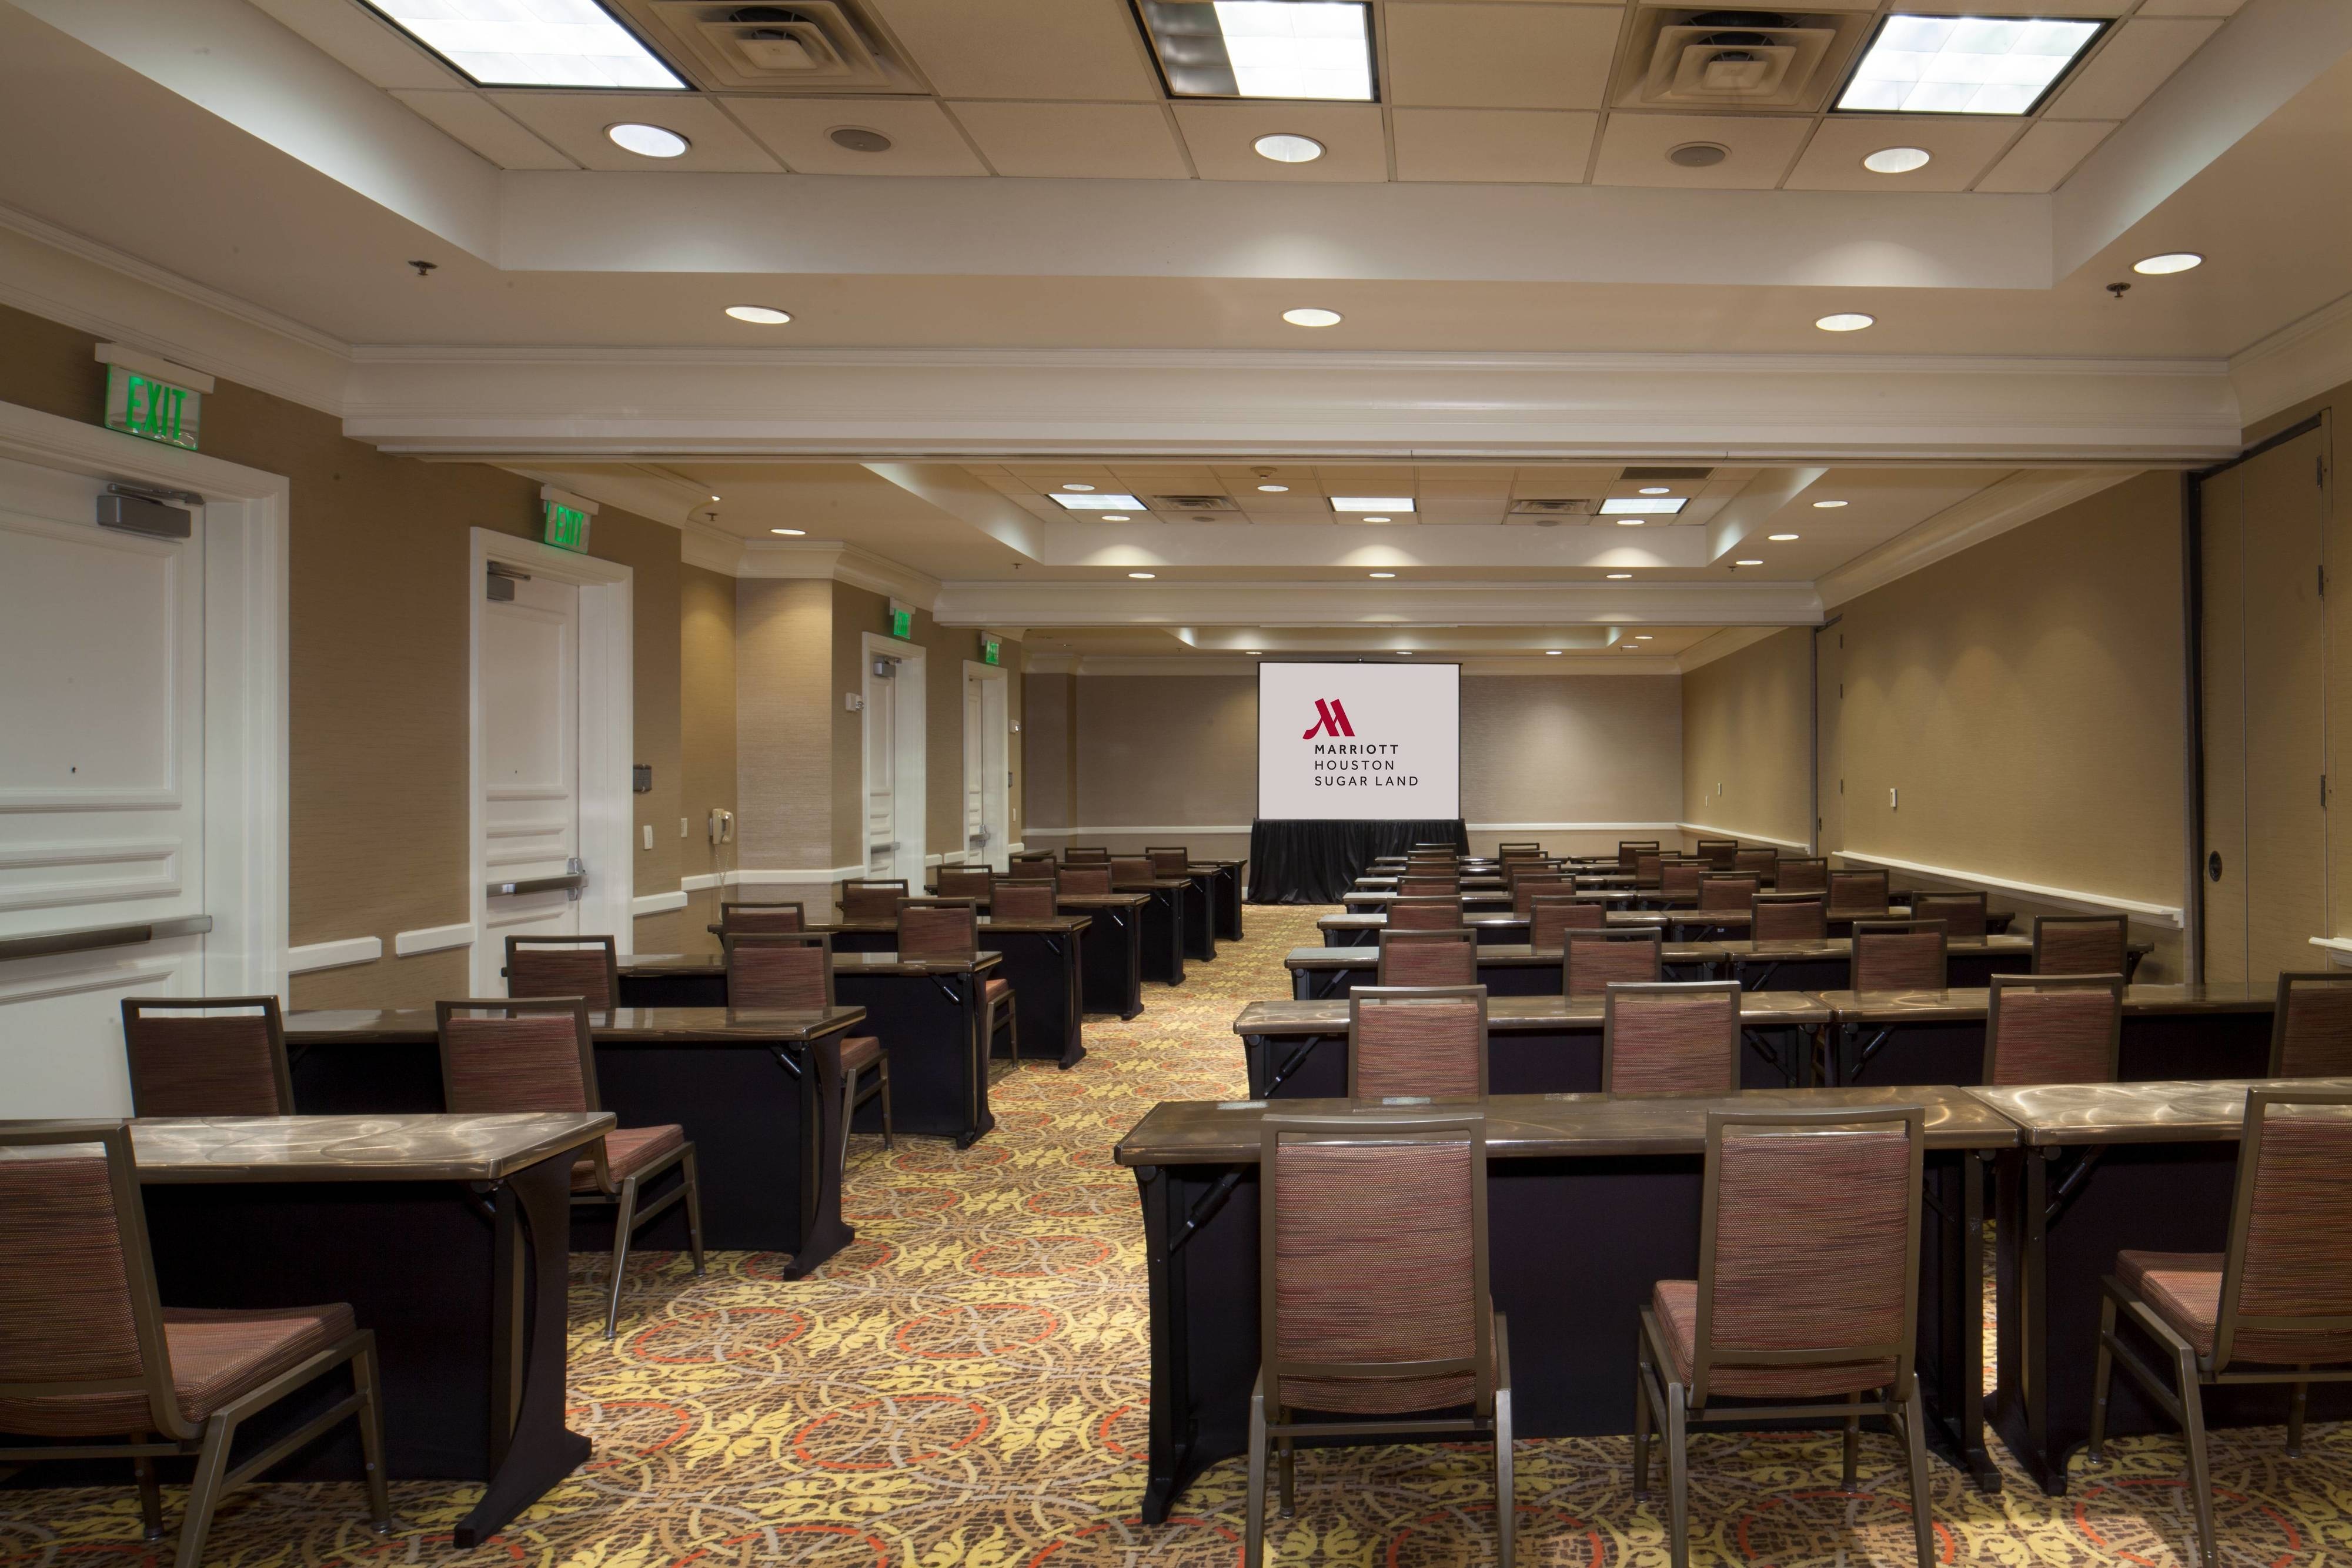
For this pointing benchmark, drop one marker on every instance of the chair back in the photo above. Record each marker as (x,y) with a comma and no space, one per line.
(1680,878)
(1442,864)
(1519,849)
(1372,1264)
(763,917)
(1899,956)
(1726,890)
(1809,1253)
(1170,860)
(866,899)
(524,1053)
(1086,855)
(938,928)
(1758,864)
(1085,879)
(1037,858)
(565,967)
(1857,895)
(1422,884)
(1022,900)
(1424,914)
(1441,958)
(82,1351)
(1664,1038)
(1630,851)
(1548,917)
(1788,917)
(2286,1279)
(1717,853)
(1132,871)
(2053,1029)
(2311,1026)
(1593,961)
(218,1064)
(1428,1041)
(1963,913)
(1801,874)
(2081,944)
(1648,868)
(965,882)
(1529,886)
(790,970)
(1434,846)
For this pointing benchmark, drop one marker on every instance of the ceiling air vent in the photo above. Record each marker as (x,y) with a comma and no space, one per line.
(1545,511)
(809,46)
(1695,58)
(1643,476)
(1203,508)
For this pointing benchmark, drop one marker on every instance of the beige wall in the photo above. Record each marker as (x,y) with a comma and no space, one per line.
(707,769)
(784,691)
(1570,748)
(1747,737)
(1048,757)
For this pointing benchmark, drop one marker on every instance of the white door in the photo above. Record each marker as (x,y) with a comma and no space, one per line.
(985,781)
(528,688)
(101,785)
(882,768)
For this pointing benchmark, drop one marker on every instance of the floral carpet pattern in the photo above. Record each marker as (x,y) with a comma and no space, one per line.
(967,1384)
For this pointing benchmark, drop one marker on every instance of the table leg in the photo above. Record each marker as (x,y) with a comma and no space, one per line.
(1170,1467)
(822,1133)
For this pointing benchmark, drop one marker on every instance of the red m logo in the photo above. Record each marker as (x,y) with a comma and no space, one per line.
(1330,718)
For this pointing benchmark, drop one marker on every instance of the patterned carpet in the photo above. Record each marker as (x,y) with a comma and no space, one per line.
(966,1385)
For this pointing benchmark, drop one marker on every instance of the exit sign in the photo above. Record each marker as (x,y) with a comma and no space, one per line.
(140,404)
(567,527)
(902,622)
(989,651)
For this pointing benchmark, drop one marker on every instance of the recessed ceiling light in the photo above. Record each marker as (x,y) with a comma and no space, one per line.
(499,44)
(1552,652)
(1748,563)
(1377,519)
(1312,316)
(1782,538)
(789,533)
(1265,49)
(714,497)
(1077,487)
(1641,636)
(1097,503)
(1284,147)
(1116,517)
(1384,574)
(760,315)
(646,140)
(1658,489)
(1404,650)
(1254,653)
(1827,506)
(1619,575)
(1619,506)
(1371,503)
(1143,576)
(2169,262)
(1631,522)
(1897,159)
(1964,65)
(1275,489)
(1847,321)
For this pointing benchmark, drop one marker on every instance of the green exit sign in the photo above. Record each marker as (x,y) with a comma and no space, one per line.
(990,650)
(902,623)
(567,527)
(138,404)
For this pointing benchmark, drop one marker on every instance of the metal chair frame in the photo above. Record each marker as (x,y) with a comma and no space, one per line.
(2288,983)
(727,913)
(852,1097)
(273,1022)
(515,945)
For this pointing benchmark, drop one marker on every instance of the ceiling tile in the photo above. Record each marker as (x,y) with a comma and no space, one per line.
(1074,141)
(363,41)
(575,123)
(1503,146)
(1633,148)
(923,139)
(1220,136)
(484,127)
(2044,156)
(2190,7)
(2133,64)
(1961,148)
(1025,48)
(1511,56)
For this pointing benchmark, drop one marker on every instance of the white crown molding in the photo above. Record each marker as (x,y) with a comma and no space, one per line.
(2164,914)
(802,559)
(1377,605)
(2299,361)
(704,546)
(1743,836)
(1722,644)
(2015,501)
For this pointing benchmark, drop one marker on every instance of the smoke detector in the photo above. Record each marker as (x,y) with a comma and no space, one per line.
(1688,57)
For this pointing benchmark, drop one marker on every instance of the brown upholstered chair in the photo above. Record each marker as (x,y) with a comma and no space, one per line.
(1442,865)
(200,1060)
(1548,917)
(965,881)
(763,917)
(1717,853)
(1434,846)
(1030,857)
(793,971)
(869,899)
(1022,900)
(1519,849)
(1421,884)
(2311,1026)
(1648,869)
(1592,961)
(1664,1038)
(2053,1029)
(1757,863)
(1445,957)
(91,1361)
(1679,880)
(1630,851)
(1801,874)
(1528,885)
(2274,1308)
(1963,913)
(1417,1040)
(1086,855)
(1806,1301)
(529,1053)
(1788,917)
(2082,944)
(1424,914)
(583,966)
(1083,880)
(1170,860)
(1857,895)
(1899,956)
(1726,890)
(1132,872)
(1374,1297)
(950,928)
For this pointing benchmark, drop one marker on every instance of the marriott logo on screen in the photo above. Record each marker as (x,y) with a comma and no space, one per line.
(1359,763)
(1330,718)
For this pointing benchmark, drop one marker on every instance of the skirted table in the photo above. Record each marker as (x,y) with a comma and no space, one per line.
(1295,861)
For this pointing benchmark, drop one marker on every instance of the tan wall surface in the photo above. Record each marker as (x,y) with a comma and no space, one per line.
(855,612)
(1048,758)
(707,768)
(1747,737)
(784,686)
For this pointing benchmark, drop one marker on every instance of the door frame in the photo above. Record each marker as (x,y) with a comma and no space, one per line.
(246,818)
(1001,790)
(607,739)
(913,710)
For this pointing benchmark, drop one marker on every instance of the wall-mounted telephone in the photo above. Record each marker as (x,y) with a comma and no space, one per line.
(722,826)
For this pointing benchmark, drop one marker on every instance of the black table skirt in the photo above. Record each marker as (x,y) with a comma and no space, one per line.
(1299,861)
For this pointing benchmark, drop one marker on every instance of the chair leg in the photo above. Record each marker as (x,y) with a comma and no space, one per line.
(1852,1441)
(1914,1443)
(1254,1540)
(2294,1420)
(2201,1471)
(1285,1475)
(1507,1491)
(1677,1478)
(848,1114)
(2102,1378)
(204,1490)
(883,1067)
(150,1498)
(1641,1413)
(623,1218)
(693,1211)
(364,1378)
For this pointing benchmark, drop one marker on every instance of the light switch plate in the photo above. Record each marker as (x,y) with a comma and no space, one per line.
(649,835)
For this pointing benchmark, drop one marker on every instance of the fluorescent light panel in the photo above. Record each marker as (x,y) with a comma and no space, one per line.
(1624,505)
(1965,65)
(1371,503)
(1097,502)
(1300,49)
(532,43)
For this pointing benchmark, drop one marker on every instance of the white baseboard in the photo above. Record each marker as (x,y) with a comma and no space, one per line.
(1744,838)
(315,956)
(432,939)
(2064,897)
(1079,832)
(752,878)
(1572,827)
(646,904)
